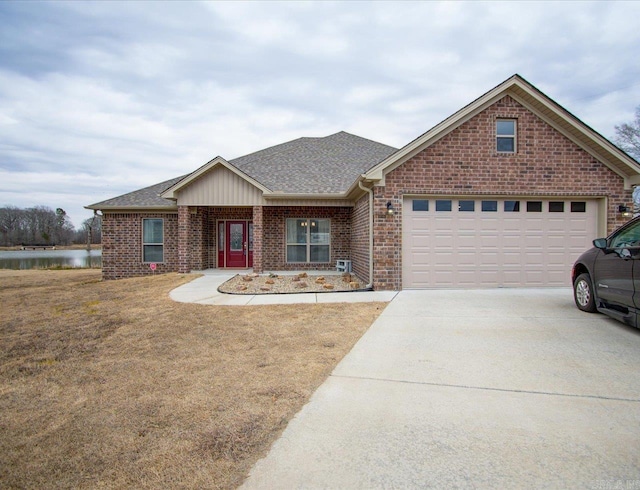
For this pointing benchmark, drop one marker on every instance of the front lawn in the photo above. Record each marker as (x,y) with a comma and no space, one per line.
(112,384)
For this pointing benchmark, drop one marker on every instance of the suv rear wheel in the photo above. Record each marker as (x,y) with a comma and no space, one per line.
(583,293)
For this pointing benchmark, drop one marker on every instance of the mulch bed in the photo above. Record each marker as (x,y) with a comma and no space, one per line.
(287,284)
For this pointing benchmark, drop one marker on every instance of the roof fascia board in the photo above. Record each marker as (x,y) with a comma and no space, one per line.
(378,172)
(588,132)
(135,209)
(170,193)
(437,132)
(276,195)
(568,135)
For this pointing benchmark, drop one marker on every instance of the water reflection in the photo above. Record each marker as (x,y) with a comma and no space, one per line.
(43,259)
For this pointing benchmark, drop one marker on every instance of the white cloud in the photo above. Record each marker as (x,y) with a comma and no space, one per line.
(98,99)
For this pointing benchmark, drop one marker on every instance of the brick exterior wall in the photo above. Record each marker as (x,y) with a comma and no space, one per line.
(274,239)
(184,239)
(257,239)
(465,162)
(122,245)
(360,238)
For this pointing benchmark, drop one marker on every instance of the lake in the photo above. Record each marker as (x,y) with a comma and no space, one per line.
(43,259)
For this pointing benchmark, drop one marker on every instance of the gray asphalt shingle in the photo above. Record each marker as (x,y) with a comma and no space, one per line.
(149,197)
(314,165)
(327,165)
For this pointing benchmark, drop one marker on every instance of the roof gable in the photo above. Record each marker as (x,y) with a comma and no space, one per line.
(189,180)
(539,104)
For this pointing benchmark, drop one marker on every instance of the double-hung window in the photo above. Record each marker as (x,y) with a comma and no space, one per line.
(152,240)
(506,135)
(308,240)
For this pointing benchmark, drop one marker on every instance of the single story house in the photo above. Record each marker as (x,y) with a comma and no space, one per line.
(506,192)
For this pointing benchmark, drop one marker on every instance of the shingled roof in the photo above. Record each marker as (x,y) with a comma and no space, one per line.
(328,165)
(149,197)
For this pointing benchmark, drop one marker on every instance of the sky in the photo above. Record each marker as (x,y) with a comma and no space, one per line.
(102,98)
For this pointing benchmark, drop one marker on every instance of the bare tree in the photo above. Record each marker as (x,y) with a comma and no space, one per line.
(628,136)
(39,224)
(11,225)
(92,227)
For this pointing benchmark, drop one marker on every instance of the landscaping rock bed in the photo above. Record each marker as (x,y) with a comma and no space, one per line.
(287,284)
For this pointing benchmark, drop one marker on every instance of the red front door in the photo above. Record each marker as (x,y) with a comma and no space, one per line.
(238,244)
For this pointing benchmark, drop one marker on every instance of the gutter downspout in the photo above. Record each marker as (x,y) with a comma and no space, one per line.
(370,191)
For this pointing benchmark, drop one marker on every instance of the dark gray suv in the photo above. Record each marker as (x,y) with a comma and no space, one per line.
(606,278)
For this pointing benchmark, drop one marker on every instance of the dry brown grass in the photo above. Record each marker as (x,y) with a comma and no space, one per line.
(111,384)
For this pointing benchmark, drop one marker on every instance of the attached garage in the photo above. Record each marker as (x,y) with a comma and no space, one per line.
(489,242)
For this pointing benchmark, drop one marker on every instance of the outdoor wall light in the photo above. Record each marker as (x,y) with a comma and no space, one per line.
(624,210)
(390,209)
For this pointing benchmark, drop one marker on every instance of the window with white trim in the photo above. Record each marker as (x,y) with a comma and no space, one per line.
(506,135)
(308,240)
(152,240)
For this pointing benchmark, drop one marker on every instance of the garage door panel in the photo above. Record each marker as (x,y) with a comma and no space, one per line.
(512,225)
(489,249)
(421,259)
(556,224)
(490,276)
(555,242)
(511,259)
(420,244)
(467,243)
(443,278)
(487,241)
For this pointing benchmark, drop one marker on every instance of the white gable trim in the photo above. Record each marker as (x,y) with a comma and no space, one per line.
(540,105)
(171,192)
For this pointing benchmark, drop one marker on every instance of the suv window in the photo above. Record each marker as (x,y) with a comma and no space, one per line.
(629,237)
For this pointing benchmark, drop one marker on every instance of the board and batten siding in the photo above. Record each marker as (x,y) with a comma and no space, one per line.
(220,187)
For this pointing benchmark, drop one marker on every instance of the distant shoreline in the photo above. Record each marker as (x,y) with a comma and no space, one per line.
(76,246)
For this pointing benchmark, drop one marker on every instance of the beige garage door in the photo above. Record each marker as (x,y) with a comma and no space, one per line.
(466,242)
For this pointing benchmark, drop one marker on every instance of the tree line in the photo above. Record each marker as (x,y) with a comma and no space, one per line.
(43,225)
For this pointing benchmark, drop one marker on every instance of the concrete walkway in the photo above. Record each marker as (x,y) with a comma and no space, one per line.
(471,389)
(204,291)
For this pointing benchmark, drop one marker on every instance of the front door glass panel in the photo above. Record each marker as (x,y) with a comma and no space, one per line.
(235,237)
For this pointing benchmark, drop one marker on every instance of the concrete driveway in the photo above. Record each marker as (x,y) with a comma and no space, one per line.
(506,388)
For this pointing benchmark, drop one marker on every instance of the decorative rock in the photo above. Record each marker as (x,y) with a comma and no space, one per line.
(247,278)
(328,286)
(346,277)
(354,285)
(302,285)
(320,280)
(265,288)
(302,275)
(295,278)
(241,287)
(269,281)
(254,275)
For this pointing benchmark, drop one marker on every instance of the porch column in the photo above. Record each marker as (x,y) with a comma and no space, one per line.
(257,240)
(184,245)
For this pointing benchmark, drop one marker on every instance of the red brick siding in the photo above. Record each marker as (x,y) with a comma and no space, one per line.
(257,239)
(465,162)
(184,239)
(360,238)
(274,239)
(201,239)
(122,244)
